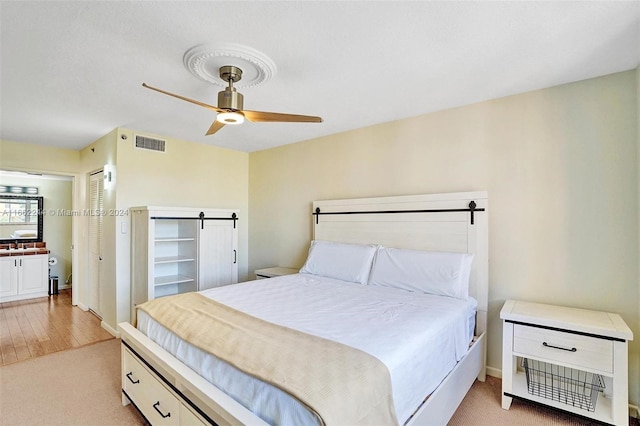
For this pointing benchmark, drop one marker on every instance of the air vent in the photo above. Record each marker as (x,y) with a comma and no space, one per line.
(152,144)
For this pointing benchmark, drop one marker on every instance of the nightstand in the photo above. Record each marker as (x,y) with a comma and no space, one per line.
(276,271)
(572,359)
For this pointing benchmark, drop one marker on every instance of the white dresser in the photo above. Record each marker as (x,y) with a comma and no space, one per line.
(572,359)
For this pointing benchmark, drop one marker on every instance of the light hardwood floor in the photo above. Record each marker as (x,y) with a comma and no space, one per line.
(36,327)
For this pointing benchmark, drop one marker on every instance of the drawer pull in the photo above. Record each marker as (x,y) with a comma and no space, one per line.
(129,374)
(545,344)
(164,416)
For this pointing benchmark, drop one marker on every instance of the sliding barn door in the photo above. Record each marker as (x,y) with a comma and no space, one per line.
(218,254)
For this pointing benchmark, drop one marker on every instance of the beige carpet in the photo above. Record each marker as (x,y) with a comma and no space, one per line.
(82,387)
(483,406)
(73,387)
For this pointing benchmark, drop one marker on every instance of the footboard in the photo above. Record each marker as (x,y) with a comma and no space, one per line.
(168,392)
(444,401)
(175,394)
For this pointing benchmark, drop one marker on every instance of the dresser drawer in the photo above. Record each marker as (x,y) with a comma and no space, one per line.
(152,398)
(580,351)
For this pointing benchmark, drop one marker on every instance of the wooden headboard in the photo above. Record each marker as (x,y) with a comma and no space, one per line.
(453,222)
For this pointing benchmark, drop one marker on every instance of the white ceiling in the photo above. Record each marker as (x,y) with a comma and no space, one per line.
(71,71)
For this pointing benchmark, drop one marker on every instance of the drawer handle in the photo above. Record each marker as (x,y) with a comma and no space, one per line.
(164,416)
(129,374)
(546,345)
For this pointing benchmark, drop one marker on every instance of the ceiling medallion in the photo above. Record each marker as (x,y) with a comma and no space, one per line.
(204,61)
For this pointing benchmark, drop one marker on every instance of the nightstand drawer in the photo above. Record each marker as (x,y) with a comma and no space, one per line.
(566,348)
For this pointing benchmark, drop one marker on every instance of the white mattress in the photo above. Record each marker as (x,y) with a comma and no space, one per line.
(27,233)
(419,337)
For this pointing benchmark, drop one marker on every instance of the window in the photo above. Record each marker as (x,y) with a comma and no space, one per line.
(19,212)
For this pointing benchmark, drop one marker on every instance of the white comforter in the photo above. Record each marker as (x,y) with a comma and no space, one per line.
(419,337)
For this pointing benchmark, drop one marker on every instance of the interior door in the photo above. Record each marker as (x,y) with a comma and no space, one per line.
(96,207)
(218,254)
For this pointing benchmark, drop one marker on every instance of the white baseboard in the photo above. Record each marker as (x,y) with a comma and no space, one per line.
(111,330)
(494,372)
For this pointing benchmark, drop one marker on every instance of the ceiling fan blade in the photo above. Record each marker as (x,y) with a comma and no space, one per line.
(261,116)
(202,104)
(214,127)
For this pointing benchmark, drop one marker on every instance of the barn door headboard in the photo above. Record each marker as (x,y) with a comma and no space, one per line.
(453,222)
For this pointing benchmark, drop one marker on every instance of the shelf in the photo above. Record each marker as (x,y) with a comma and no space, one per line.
(172,279)
(172,259)
(601,413)
(174,239)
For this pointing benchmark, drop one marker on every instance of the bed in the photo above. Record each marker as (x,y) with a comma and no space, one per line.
(361,300)
(24,233)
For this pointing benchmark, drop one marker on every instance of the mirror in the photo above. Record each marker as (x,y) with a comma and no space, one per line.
(21,219)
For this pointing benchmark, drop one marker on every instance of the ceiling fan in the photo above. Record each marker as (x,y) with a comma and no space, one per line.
(229,107)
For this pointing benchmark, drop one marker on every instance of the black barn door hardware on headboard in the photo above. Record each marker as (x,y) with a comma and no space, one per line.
(472,209)
(201,218)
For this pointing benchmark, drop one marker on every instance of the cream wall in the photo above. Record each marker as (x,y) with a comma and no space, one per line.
(40,158)
(560,167)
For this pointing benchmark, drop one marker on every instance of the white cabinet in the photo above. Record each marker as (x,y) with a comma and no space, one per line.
(23,277)
(571,359)
(177,250)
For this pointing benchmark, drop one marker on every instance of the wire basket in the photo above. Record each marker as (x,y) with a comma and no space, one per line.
(563,384)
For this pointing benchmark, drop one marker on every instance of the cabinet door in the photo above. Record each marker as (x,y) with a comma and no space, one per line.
(218,254)
(32,274)
(8,276)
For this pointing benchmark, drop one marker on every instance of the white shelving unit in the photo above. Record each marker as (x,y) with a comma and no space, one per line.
(175,256)
(577,359)
(178,250)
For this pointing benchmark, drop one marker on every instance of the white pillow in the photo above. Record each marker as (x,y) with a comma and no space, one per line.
(439,273)
(346,262)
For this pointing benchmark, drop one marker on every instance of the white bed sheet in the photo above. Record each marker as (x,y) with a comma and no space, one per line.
(419,337)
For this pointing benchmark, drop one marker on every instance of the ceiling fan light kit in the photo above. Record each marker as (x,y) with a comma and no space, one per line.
(230,107)
(232,118)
